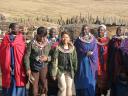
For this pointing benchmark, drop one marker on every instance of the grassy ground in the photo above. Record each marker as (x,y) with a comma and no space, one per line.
(65,8)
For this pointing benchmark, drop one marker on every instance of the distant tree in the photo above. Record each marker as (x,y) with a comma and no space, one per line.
(2,17)
(97,21)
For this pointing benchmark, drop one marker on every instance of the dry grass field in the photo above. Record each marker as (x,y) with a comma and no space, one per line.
(64,8)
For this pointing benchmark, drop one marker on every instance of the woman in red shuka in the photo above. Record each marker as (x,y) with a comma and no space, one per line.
(102,42)
(11,60)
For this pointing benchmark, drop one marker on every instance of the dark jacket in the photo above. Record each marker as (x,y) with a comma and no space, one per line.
(57,64)
(32,55)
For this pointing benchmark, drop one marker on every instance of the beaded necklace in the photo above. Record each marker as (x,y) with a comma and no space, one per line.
(40,45)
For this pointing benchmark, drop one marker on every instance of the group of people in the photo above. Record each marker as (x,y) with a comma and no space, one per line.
(89,66)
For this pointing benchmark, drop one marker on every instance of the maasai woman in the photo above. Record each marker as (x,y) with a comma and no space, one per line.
(121,85)
(114,59)
(53,36)
(37,57)
(53,41)
(13,71)
(87,53)
(102,41)
(64,63)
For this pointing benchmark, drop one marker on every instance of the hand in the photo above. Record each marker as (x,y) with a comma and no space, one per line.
(89,53)
(28,73)
(43,58)
(10,69)
(31,79)
(54,77)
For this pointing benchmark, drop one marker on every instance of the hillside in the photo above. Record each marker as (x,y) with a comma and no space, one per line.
(64,8)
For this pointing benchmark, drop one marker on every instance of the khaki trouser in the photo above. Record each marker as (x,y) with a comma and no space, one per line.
(65,83)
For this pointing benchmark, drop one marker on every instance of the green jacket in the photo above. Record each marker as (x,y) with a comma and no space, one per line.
(33,53)
(57,67)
